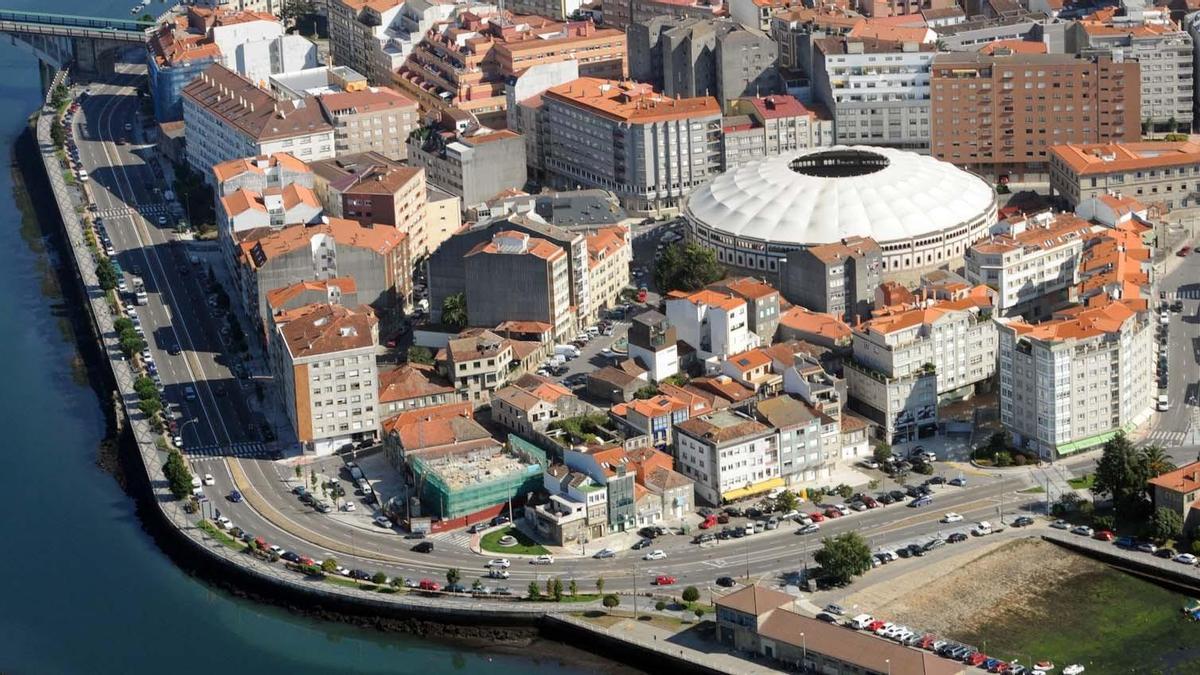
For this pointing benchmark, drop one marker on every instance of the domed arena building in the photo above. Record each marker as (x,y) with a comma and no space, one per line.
(924,213)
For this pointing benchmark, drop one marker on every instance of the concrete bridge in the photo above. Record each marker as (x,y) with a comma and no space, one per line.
(89,44)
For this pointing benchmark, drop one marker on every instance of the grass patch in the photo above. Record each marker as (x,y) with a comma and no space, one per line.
(582,597)
(1105,620)
(525,546)
(1035,490)
(218,534)
(350,583)
(1084,483)
(704,608)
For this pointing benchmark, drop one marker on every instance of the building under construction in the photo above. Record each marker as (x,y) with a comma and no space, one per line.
(453,485)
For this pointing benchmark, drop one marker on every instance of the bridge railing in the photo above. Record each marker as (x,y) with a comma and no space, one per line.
(67,20)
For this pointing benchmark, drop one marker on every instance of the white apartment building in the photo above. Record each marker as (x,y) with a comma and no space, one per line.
(375,38)
(256,46)
(648,149)
(244,210)
(876,90)
(323,361)
(714,324)
(770,125)
(728,456)
(1031,262)
(228,117)
(1163,52)
(906,359)
(1069,384)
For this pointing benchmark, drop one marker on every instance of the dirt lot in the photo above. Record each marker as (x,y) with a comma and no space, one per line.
(955,594)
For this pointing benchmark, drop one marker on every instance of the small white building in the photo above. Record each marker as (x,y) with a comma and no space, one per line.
(715,324)
(728,456)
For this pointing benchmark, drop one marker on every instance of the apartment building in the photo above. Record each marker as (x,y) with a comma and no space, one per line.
(714,324)
(690,57)
(473,168)
(373,189)
(251,43)
(621,14)
(886,8)
(463,63)
(244,210)
(261,173)
(614,136)
(1070,384)
(375,257)
(1031,262)
(228,117)
(514,260)
(655,417)
(610,253)
(337,291)
(372,120)
(908,358)
(653,344)
(575,511)
(877,90)
(478,362)
(728,456)
(764,126)
(1163,51)
(1160,172)
(998,114)
(839,278)
(447,265)
(796,29)
(532,403)
(323,362)
(762,304)
(808,441)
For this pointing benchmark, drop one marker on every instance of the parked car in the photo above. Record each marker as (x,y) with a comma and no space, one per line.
(642,543)
(656,554)
(1185,558)
(1060,525)
(429,585)
(809,529)
(499,562)
(1083,530)
(924,500)
(1105,535)
(957,482)
(956,537)
(381,521)
(1146,547)
(1022,521)
(544,559)
(952,517)
(725,582)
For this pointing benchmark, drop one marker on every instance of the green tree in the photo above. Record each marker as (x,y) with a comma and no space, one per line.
(574,588)
(477,585)
(816,496)
(1196,547)
(179,478)
(379,578)
(453,575)
(549,586)
(106,275)
(1002,458)
(145,388)
(419,354)
(557,590)
(883,452)
(329,565)
(845,491)
(454,311)
(299,472)
(1121,473)
(292,10)
(691,594)
(646,391)
(687,267)
(1164,524)
(699,613)
(58,135)
(534,593)
(844,557)
(150,406)
(787,501)
(610,601)
(660,605)
(600,585)
(1157,461)
(1105,522)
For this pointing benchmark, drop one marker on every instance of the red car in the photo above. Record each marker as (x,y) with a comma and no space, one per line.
(817,517)
(976,659)
(1184,251)
(708,522)
(875,625)
(870,502)
(429,585)
(832,513)
(1104,535)
(305,560)
(663,580)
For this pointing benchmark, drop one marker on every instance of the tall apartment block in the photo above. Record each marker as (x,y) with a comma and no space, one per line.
(838,278)
(613,135)
(877,90)
(998,115)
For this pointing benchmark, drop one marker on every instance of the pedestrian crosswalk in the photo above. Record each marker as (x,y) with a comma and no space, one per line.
(1168,438)
(460,538)
(1186,294)
(241,450)
(147,210)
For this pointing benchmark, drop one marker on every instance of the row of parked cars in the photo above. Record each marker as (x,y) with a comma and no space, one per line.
(904,635)
(1129,543)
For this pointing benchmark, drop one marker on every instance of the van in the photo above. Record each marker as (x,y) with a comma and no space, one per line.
(566,351)
(356,473)
(861,621)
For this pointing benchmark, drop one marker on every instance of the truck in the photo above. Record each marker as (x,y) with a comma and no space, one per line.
(138,288)
(566,351)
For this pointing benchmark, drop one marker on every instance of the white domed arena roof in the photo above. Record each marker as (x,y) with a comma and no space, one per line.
(823,195)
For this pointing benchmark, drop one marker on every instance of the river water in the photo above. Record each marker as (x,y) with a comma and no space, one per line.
(83,589)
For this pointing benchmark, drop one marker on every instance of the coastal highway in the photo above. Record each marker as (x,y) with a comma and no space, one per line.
(123,184)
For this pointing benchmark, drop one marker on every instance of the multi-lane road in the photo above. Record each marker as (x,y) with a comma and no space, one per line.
(124,179)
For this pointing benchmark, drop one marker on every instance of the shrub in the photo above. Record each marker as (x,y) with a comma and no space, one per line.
(691,594)
(1003,459)
(1105,522)
(379,578)
(660,605)
(609,600)
(1018,459)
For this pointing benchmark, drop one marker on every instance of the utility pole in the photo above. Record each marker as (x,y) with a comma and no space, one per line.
(635,592)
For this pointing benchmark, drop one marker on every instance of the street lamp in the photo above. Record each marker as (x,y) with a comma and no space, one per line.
(889,665)
(184,425)
(804,647)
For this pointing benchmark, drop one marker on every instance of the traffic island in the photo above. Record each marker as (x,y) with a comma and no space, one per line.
(523,543)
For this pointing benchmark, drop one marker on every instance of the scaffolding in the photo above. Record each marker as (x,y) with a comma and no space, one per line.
(459,484)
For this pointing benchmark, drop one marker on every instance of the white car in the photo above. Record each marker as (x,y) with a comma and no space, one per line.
(342,571)
(349,506)
(952,518)
(845,510)
(1185,558)
(209,480)
(656,554)
(870,463)
(277,550)
(542,560)
(178,441)
(1083,530)
(499,562)
(884,628)
(224,522)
